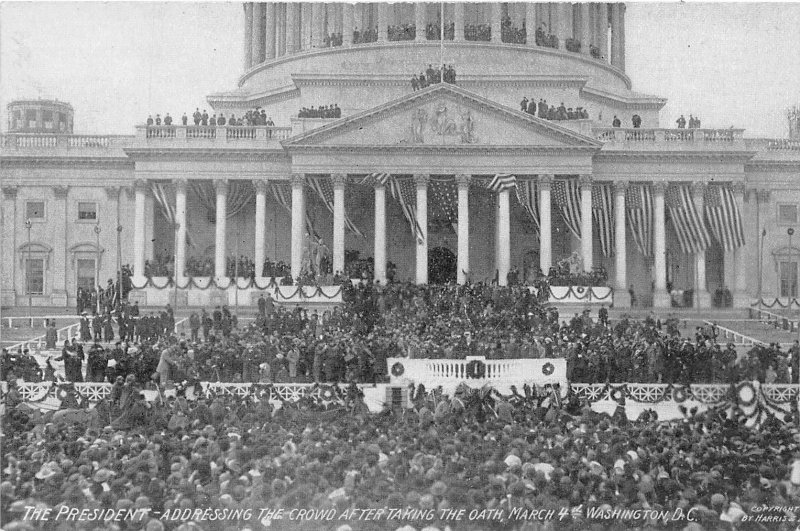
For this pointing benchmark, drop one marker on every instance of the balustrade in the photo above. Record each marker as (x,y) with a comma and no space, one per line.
(223,134)
(784,144)
(201,131)
(83,141)
(672,136)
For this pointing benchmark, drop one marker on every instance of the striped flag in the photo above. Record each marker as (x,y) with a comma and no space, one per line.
(373,179)
(528,197)
(723,216)
(502,181)
(639,202)
(404,192)
(324,189)
(283,196)
(686,220)
(567,195)
(603,213)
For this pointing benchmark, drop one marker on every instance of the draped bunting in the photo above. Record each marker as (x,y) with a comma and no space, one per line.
(165,198)
(603,213)
(283,196)
(567,195)
(639,201)
(324,189)
(404,191)
(723,216)
(688,223)
(240,193)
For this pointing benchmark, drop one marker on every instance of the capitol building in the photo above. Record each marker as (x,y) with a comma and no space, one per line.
(443,177)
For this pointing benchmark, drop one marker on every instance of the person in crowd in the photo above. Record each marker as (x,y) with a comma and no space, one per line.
(616,122)
(51,335)
(636,120)
(184,119)
(681,122)
(197,116)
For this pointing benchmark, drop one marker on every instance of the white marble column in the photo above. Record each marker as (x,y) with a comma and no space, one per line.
(280,29)
(602,31)
(702,298)
(261,225)
(298,222)
(257,35)
(530,23)
(269,31)
(458,20)
(317,25)
(587,236)
(503,236)
(383,22)
(463,228)
(661,299)
(347,24)
(380,234)
(420,21)
(544,184)
(248,35)
(586,27)
(497,14)
(180,228)
(220,249)
(8,240)
(741,299)
(564,23)
(306,23)
(421,180)
(140,191)
(292,22)
(622,298)
(616,35)
(339,182)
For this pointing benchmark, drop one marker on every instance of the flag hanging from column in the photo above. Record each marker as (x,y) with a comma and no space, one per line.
(282,194)
(324,189)
(686,220)
(445,201)
(404,192)
(603,214)
(567,195)
(528,197)
(502,181)
(639,202)
(724,217)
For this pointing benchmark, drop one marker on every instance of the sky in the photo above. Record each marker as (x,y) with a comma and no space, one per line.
(116,62)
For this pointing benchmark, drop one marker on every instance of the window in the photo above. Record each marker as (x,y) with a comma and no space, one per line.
(86,273)
(87,211)
(47,118)
(34,276)
(34,210)
(30,118)
(788,278)
(787,214)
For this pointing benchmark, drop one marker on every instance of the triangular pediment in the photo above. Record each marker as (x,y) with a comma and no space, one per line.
(442,115)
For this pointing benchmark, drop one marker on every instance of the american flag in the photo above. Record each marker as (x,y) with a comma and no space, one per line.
(639,201)
(283,195)
(376,178)
(724,217)
(567,195)
(324,189)
(603,213)
(405,192)
(502,181)
(528,197)
(686,220)
(445,201)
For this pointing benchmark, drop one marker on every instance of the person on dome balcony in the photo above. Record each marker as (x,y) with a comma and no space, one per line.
(616,122)
(524,104)
(184,119)
(167,119)
(681,122)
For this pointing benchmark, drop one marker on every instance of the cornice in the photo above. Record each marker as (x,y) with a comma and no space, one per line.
(772,165)
(66,162)
(249,155)
(425,149)
(628,103)
(402,80)
(672,156)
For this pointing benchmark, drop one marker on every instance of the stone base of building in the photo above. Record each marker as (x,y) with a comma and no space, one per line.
(59,298)
(742,300)
(8,298)
(622,299)
(662,300)
(231,296)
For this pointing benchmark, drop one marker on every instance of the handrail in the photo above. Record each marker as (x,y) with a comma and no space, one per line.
(738,338)
(777,318)
(34,318)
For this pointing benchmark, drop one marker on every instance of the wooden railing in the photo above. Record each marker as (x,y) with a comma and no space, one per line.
(735,337)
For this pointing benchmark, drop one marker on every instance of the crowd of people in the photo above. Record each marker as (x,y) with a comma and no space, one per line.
(171,461)
(365,36)
(402,32)
(551,112)
(432,76)
(252,117)
(163,265)
(324,111)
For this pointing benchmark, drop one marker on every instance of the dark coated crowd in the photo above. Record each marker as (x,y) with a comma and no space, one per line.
(323,111)
(551,112)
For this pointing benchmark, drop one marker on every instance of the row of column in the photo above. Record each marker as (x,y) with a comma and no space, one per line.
(275,29)
(502,221)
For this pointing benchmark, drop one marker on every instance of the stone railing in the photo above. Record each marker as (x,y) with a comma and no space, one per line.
(23,141)
(735,337)
(179,134)
(775,144)
(477,372)
(668,136)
